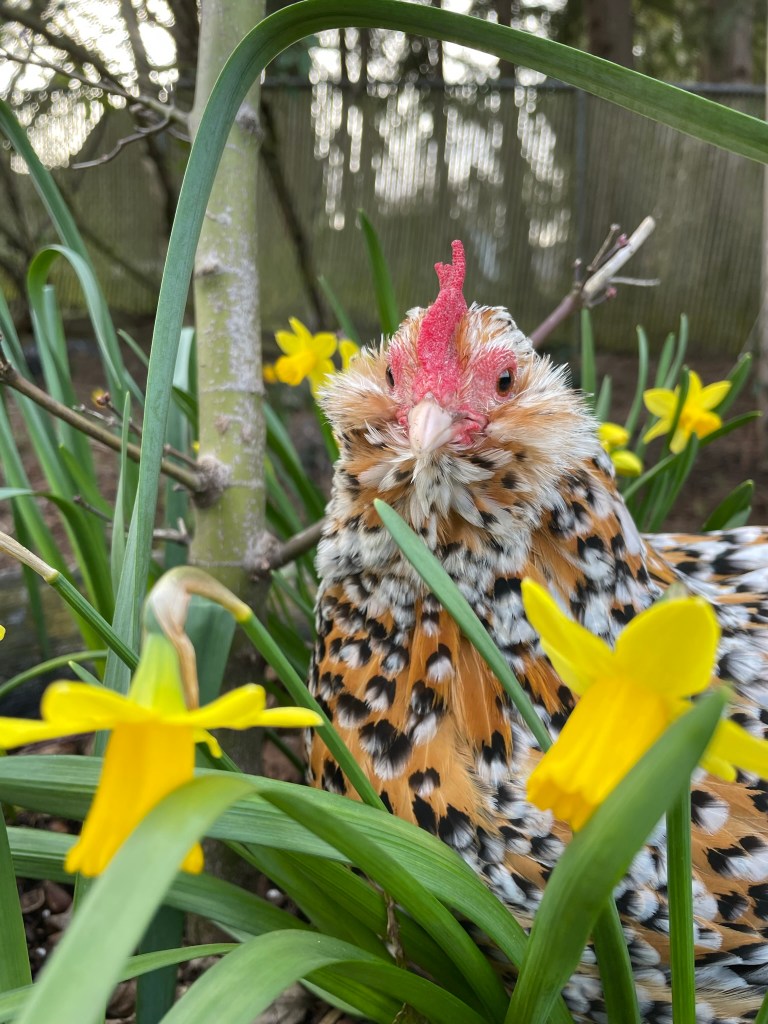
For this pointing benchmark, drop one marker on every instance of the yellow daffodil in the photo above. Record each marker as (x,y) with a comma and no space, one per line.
(268,372)
(152,747)
(306,355)
(347,351)
(628,696)
(696,416)
(614,439)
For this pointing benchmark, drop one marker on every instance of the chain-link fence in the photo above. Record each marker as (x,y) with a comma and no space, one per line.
(528,178)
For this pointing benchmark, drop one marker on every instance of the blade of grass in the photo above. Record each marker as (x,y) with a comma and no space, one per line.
(588,382)
(51,665)
(343,318)
(14,961)
(389,310)
(733,510)
(680,872)
(738,378)
(642,381)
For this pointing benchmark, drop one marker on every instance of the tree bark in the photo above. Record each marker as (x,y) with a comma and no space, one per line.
(226,292)
(230,386)
(610,28)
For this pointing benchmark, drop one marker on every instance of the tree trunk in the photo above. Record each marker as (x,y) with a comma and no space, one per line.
(727,51)
(230,386)
(610,26)
(226,291)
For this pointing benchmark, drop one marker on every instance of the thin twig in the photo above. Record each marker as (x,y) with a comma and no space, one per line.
(112,87)
(137,136)
(273,555)
(599,286)
(297,546)
(191,481)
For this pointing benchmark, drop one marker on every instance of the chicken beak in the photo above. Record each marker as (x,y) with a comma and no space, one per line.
(429,426)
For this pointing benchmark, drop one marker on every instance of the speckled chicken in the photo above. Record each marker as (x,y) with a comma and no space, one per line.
(482,446)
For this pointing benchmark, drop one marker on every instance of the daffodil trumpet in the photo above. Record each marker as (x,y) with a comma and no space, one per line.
(628,696)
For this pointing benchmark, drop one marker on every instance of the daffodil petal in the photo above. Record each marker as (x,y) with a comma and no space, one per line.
(613,435)
(79,707)
(579,658)
(713,394)
(301,331)
(670,647)
(142,764)
(660,402)
(214,747)
(324,344)
(348,350)
(626,463)
(679,439)
(288,342)
(693,397)
(738,747)
(289,718)
(612,726)
(244,708)
(706,423)
(293,369)
(657,430)
(234,710)
(17,732)
(320,374)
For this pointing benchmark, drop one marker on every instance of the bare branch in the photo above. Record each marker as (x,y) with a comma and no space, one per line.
(277,555)
(599,286)
(137,136)
(83,56)
(164,110)
(9,376)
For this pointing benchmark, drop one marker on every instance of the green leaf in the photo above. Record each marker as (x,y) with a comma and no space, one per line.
(642,381)
(51,665)
(738,378)
(680,872)
(88,960)
(733,510)
(603,403)
(588,369)
(343,318)
(14,962)
(389,310)
(238,988)
(403,885)
(600,854)
(156,990)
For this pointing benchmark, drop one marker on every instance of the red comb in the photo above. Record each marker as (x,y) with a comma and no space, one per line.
(442,318)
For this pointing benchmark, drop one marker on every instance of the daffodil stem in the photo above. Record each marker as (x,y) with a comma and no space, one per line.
(616,974)
(680,894)
(97,622)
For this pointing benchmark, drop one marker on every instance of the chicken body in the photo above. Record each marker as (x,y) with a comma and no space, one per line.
(481,445)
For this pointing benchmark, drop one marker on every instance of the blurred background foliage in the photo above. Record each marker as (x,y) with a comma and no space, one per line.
(434,141)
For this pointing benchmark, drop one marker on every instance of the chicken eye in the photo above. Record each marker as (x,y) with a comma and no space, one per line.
(504,382)
(390,377)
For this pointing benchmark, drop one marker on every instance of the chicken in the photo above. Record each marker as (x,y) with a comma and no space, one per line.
(481,445)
